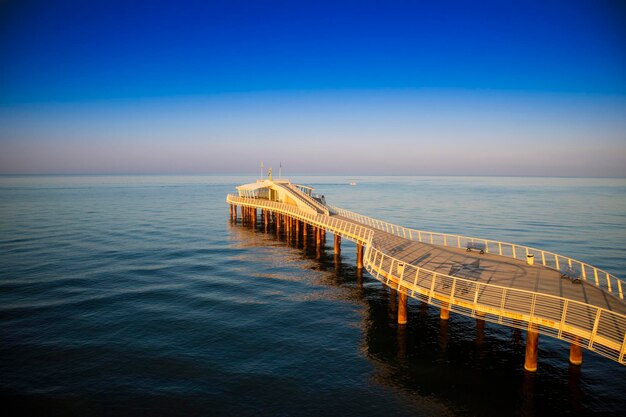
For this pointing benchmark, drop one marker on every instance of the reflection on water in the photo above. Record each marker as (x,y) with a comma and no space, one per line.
(460,366)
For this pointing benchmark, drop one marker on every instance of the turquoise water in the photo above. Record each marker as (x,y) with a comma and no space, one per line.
(125,295)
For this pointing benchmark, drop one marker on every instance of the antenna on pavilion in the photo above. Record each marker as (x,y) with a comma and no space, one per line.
(280,170)
(261,170)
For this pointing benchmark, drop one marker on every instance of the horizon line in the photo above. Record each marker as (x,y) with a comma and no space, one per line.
(206,174)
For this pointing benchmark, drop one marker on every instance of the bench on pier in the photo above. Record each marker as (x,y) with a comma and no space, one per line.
(479,246)
(572,274)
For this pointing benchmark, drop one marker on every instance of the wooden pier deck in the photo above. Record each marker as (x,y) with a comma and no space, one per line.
(503,285)
(494,269)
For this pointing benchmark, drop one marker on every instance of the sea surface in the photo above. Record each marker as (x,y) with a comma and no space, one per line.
(136,295)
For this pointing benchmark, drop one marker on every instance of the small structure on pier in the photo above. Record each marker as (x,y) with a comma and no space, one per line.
(283,191)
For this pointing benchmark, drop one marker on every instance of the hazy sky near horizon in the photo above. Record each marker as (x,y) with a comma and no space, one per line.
(362,87)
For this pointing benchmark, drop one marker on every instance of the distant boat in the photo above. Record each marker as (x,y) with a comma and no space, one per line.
(353,183)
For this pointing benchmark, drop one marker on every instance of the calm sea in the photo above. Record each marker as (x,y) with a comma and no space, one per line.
(129,295)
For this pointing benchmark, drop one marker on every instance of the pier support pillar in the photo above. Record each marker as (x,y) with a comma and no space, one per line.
(444,314)
(359,256)
(575,353)
(305,228)
(235,212)
(337,250)
(318,236)
(532,345)
(402,307)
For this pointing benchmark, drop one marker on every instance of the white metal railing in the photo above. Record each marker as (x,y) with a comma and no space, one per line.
(589,273)
(594,328)
(350,230)
(300,196)
(306,198)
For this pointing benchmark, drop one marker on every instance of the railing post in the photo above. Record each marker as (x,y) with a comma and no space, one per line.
(595,330)
(475,298)
(452,291)
(432,287)
(563,315)
(502,304)
(417,274)
(622,351)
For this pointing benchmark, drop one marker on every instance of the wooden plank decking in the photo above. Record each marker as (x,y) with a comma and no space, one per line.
(493,269)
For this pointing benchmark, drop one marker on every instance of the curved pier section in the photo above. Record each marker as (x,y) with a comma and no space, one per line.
(512,285)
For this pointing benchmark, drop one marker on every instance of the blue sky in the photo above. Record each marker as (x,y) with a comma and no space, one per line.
(411,88)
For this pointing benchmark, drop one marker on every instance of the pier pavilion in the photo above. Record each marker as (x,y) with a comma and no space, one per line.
(512,285)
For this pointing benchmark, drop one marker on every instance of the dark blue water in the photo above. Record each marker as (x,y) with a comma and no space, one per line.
(127,295)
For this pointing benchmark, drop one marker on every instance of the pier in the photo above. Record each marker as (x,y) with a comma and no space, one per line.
(512,285)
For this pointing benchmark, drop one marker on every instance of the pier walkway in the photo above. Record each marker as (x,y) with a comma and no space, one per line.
(512,285)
